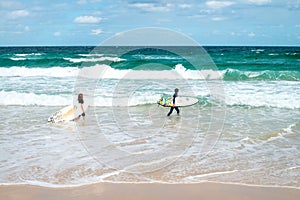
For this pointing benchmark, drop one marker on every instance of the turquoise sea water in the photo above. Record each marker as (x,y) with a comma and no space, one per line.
(245,128)
(270,63)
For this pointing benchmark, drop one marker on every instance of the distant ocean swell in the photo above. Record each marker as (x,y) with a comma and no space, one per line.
(226,75)
(49,61)
(241,58)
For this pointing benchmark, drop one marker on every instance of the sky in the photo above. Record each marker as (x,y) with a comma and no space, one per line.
(90,22)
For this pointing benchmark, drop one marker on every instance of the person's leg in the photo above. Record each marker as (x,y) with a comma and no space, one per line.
(177,110)
(171,110)
(76,118)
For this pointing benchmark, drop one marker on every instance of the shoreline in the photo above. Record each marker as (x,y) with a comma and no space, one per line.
(147,191)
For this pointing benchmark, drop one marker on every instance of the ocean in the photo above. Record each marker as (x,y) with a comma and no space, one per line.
(244,130)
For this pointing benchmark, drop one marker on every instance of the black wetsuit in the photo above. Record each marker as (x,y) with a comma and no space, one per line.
(81,102)
(175,107)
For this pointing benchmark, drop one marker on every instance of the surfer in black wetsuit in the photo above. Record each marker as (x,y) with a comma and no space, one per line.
(174,104)
(81,102)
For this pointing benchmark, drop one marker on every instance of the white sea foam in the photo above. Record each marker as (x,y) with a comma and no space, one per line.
(106,58)
(257,50)
(272,94)
(179,72)
(48,72)
(238,98)
(280,94)
(107,72)
(27,54)
(16,59)
(21,54)
(191,178)
(26,99)
(91,55)
(198,74)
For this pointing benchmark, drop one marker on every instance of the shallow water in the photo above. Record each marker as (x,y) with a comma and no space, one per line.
(255,146)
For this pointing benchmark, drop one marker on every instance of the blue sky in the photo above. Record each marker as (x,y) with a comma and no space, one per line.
(209,22)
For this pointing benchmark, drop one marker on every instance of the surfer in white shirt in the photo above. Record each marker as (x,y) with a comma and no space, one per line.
(81,102)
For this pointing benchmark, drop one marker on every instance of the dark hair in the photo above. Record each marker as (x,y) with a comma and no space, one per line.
(80,96)
(176,90)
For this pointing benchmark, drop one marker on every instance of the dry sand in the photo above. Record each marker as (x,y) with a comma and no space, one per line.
(124,191)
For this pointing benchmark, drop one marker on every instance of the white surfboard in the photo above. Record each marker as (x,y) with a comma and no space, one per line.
(181,101)
(67,113)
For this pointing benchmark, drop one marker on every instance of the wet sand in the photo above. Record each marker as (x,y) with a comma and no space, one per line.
(125,191)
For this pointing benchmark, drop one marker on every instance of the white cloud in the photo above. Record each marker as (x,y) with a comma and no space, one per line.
(96,31)
(87,20)
(150,7)
(260,2)
(251,34)
(57,33)
(218,18)
(18,14)
(219,4)
(184,5)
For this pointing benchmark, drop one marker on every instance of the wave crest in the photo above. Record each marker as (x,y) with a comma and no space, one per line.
(178,72)
(237,75)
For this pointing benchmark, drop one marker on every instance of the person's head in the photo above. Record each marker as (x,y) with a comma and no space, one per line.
(80,96)
(176,90)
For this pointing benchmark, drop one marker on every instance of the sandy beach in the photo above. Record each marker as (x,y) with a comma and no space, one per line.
(212,191)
